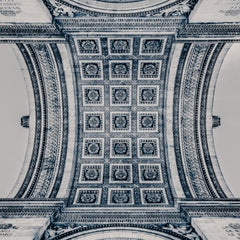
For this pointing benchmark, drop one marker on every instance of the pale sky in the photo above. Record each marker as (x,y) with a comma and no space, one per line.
(227,106)
(14,104)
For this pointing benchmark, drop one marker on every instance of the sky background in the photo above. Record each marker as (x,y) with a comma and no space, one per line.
(227,106)
(14,105)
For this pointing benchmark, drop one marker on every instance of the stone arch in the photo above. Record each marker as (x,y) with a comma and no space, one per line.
(209,120)
(118,233)
(32,119)
(192,123)
(43,172)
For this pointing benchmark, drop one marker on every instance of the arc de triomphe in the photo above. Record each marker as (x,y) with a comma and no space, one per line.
(121,140)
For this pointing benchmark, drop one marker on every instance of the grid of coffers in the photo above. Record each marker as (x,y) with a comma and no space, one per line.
(120,121)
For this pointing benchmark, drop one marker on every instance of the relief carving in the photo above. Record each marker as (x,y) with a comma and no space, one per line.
(58,9)
(233,230)
(65,8)
(229,8)
(10,8)
(183,230)
(6,229)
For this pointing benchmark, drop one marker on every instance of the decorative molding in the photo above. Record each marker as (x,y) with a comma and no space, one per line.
(39,107)
(117,24)
(10,8)
(30,208)
(181,9)
(197,68)
(65,118)
(69,9)
(59,9)
(206,31)
(88,196)
(150,173)
(180,231)
(50,159)
(191,80)
(185,230)
(211,210)
(114,215)
(27,29)
(120,196)
(109,58)
(153,196)
(49,150)
(204,141)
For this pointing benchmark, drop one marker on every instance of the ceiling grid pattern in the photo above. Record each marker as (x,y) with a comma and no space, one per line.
(121,158)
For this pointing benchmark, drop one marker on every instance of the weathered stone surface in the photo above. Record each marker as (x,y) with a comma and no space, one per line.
(23,11)
(213,228)
(22,228)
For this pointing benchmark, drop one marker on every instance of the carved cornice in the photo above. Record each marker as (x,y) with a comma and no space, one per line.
(103,216)
(28,30)
(118,24)
(208,31)
(211,210)
(32,208)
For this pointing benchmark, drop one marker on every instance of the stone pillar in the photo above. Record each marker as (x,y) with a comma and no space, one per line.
(23,228)
(217,228)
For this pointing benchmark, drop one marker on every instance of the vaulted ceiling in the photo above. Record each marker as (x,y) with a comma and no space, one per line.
(123,109)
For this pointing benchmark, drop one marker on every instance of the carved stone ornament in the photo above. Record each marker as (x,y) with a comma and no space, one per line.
(69,9)
(120,68)
(58,9)
(91,69)
(56,230)
(179,10)
(120,122)
(91,174)
(88,45)
(150,174)
(149,68)
(10,8)
(5,226)
(153,198)
(182,229)
(232,230)
(120,95)
(120,198)
(120,45)
(88,198)
(121,174)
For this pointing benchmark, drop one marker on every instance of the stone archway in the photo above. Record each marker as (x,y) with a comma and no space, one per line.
(122,118)
(117,233)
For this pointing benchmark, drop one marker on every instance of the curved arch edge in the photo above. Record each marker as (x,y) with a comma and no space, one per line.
(209,114)
(32,121)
